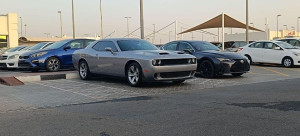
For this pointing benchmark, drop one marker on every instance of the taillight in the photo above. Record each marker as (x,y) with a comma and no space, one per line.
(240,49)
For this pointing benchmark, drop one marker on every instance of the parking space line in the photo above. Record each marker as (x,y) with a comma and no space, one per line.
(291,69)
(279,73)
(64,90)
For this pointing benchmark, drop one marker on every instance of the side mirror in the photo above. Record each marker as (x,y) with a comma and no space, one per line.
(188,51)
(67,48)
(109,49)
(277,48)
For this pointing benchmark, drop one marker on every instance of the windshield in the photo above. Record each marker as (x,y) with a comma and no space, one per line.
(204,46)
(285,45)
(57,45)
(15,49)
(37,46)
(131,45)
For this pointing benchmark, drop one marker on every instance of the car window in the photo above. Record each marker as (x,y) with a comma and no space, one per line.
(235,45)
(257,45)
(88,42)
(243,44)
(294,42)
(171,46)
(183,45)
(100,46)
(133,45)
(269,45)
(76,44)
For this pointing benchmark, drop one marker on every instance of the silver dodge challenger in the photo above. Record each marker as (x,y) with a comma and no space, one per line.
(134,59)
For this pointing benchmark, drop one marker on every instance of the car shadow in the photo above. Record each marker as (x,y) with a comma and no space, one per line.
(271,65)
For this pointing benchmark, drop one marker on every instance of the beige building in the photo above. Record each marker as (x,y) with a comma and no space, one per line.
(9,30)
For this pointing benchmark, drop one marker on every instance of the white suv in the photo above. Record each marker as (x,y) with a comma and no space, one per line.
(276,52)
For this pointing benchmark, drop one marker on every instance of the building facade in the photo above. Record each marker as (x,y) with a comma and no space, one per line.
(9,30)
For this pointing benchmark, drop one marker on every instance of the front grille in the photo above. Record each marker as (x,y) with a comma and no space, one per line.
(175,74)
(24,64)
(3,65)
(174,62)
(23,57)
(3,57)
(240,66)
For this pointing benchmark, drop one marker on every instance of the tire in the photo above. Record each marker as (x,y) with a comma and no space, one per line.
(250,59)
(206,69)
(287,62)
(237,74)
(53,64)
(84,70)
(178,81)
(134,74)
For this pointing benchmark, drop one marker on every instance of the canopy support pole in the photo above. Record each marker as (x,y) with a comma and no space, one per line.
(223,34)
(176,29)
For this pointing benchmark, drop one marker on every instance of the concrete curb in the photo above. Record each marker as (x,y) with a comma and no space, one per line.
(37,78)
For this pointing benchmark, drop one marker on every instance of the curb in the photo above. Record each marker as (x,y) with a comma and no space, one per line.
(37,78)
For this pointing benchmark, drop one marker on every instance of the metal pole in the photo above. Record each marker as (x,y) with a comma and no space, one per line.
(21,26)
(247,21)
(223,33)
(175,30)
(277,25)
(170,35)
(73,20)
(128,25)
(25,29)
(142,18)
(101,20)
(298,26)
(61,25)
(218,34)
(286,27)
(153,40)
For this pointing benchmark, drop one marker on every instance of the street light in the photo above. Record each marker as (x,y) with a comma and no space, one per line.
(298,26)
(286,27)
(277,24)
(170,35)
(101,19)
(21,26)
(142,18)
(128,25)
(73,19)
(61,25)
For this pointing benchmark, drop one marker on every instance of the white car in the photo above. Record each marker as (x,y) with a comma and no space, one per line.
(276,52)
(10,59)
(292,41)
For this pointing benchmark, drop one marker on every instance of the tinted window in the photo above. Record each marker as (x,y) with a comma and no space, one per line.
(171,46)
(131,45)
(182,46)
(269,45)
(37,46)
(57,45)
(235,45)
(100,46)
(257,45)
(14,49)
(294,43)
(202,46)
(88,42)
(285,45)
(76,44)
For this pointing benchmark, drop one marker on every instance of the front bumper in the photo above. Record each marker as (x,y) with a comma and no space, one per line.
(9,63)
(236,66)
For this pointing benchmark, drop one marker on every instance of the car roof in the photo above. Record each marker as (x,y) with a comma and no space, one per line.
(117,39)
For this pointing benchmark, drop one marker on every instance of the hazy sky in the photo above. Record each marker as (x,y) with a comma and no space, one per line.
(41,15)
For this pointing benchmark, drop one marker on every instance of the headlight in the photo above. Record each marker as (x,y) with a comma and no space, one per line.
(224,60)
(14,56)
(156,62)
(194,60)
(38,54)
(296,54)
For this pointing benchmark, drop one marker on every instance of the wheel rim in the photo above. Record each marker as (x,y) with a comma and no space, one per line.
(133,75)
(83,70)
(205,69)
(53,64)
(287,62)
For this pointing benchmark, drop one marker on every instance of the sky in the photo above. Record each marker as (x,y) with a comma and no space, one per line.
(41,16)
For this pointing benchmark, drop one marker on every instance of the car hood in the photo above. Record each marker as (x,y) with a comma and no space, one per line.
(160,54)
(226,55)
(29,53)
(13,53)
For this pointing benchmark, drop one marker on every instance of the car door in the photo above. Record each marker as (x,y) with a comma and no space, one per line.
(255,51)
(271,54)
(66,54)
(107,60)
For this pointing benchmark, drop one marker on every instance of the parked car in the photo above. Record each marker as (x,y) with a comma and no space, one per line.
(217,44)
(8,60)
(276,52)
(292,41)
(13,57)
(233,46)
(3,50)
(211,61)
(137,60)
(54,57)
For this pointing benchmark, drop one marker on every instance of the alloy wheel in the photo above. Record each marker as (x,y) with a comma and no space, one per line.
(83,70)
(133,74)
(53,64)
(287,62)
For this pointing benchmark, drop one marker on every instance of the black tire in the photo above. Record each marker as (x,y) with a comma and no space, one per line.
(178,81)
(53,64)
(206,69)
(84,70)
(250,59)
(287,62)
(237,74)
(134,74)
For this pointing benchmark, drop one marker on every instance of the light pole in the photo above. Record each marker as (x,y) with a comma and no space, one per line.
(277,25)
(128,25)
(286,27)
(25,29)
(153,40)
(170,35)
(61,25)
(73,20)
(101,19)
(298,26)
(21,26)
(142,18)
(247,22)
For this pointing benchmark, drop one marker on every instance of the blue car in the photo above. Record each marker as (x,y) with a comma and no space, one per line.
(53,57)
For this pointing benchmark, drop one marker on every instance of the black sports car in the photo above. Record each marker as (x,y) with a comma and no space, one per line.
(211,61)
